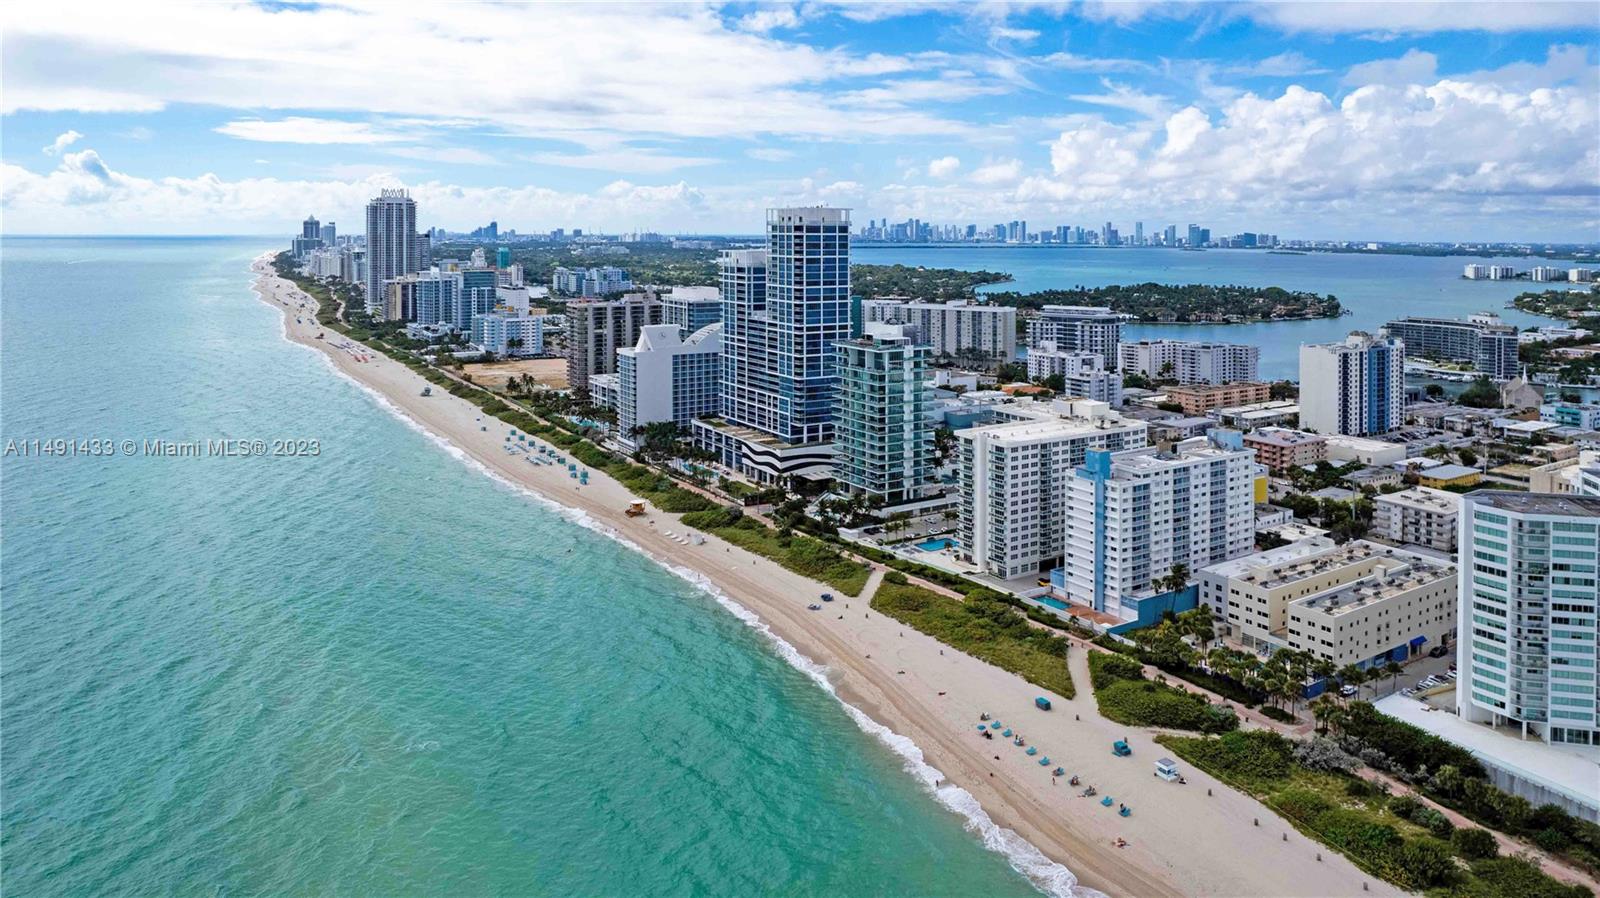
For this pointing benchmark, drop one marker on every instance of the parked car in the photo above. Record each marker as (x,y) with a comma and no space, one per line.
(1438,651)
(1348,691)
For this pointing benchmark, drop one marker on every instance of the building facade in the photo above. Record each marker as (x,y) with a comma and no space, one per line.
(1200,398)
(1013,475)
(1483,340)
(1279,449)
(1358,603)
(597,328)
(1133,516)
(392,247)
(957,328)
(1191,362)
(883,437)
(1419,516)
(1527,646)
(1078,329)
(1354,387)
(667,377)
(691,308)
(1083,374)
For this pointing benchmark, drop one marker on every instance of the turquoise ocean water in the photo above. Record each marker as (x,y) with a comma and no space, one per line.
(376,671)
(1374,288)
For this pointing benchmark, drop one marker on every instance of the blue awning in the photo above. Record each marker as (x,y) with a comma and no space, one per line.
(1418,641)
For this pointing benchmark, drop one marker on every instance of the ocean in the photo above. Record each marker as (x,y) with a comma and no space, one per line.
(1375,288)
(376,671)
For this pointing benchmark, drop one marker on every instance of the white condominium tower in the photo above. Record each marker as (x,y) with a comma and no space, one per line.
(1527,639)
(1013,478)
(392,246)
(1094,329)
(1132,516)
(1355,387)
(957,328)
(1190,361)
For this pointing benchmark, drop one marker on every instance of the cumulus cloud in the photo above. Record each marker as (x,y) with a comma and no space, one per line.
(62,141)
(996,173)
(1451,141)
(943,167)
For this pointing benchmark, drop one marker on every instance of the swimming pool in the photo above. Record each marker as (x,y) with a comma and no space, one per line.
(1055,603)
(934,545)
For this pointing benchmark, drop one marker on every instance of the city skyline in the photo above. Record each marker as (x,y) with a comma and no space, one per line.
(1304,120)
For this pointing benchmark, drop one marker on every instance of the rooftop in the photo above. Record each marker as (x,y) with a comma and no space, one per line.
(1280,436)
(1389,578)
(1279,567)
(1423,498)
(1449,472)
(1538,503)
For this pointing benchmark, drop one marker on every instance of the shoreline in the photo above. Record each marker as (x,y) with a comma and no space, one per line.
(902,688)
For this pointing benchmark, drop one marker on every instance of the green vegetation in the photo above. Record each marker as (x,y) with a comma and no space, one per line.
(804,555)
(1380,834)
(1125,696)
(1451,776)
(1481,394)
(984,628)
(1560,303)
(1176,304)
(916,282)
(645,263)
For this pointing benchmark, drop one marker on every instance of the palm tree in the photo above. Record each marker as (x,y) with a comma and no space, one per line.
(1351,675)
(1394,670)
(1177,578)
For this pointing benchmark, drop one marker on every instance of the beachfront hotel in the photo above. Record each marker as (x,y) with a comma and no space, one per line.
(1354,387)
(1094,329)
(1359,603)
(1132,515)
(393,247)
(783,309)
(667,377)
(1013,477)
(1192,362)
(1529,598)
(883,438)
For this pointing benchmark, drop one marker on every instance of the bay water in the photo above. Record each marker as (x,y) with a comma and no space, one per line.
(1374,288)
(377,671)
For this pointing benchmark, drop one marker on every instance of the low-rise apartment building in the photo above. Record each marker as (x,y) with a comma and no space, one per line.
(1197,399)
(1360,603)
(1420,516)
(1280,449)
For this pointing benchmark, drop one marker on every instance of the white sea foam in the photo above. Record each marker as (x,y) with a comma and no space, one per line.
(1046,875)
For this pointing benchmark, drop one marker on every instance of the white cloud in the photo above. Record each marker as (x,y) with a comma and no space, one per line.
(770,154)
(623,160)
(63,140)
(1015,35)
(85,195)
(1421,16)
(764,20)
(300,129)
(991,174)
(1415,67)
(943,167)
(626,69)
(445,155)
(1122,96)
(1288,64)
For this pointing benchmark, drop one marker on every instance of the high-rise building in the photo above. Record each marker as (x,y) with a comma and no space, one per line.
(808,307)
(1135,515)
(597,328)
(668,377)
(502,257)
(1094,329)
(958,328)
(310,229)
(692,308)
(1138,233)
(392,246)
(509,334)
(1190,361)
(1013,475)
(883,438)
(1483,340)
(1355,387)
(1529,599)
(1169,237)
(1194,235)
(329,234)
(603,281)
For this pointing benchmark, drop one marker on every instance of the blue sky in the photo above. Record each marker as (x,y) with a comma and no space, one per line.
(1328,120)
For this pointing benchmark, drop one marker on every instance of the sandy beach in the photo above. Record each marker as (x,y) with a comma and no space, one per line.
(1202,838)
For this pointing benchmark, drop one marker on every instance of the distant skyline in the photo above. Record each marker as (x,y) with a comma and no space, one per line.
(1373,121)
